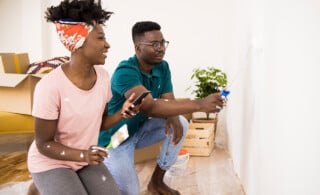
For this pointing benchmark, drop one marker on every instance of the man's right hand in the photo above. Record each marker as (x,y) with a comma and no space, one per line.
(129,110)
(212,103)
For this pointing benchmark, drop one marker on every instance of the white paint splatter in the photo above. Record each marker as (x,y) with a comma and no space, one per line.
(104,178)
(62,153)
(81,155)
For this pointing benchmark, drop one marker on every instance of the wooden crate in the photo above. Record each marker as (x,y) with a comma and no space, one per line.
(200,139)
(199,117)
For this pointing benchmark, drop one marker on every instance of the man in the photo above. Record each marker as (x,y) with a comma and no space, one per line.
(159,114)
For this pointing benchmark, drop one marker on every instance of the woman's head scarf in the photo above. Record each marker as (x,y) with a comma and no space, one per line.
(72,34)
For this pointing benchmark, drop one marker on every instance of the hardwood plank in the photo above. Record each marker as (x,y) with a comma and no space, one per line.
(213,175)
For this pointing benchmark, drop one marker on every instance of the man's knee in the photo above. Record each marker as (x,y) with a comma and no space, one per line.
(185,124)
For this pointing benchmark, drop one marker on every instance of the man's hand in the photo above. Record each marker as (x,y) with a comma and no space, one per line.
(174,124)
(129,109)
(212,103)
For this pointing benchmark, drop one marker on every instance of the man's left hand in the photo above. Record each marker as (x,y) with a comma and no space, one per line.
(174,124)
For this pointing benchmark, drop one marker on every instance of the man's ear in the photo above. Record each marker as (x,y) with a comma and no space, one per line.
(136,47)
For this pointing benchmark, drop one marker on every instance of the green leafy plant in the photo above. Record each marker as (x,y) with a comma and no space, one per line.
(207,81)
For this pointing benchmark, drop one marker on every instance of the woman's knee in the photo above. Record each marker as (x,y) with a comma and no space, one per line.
(32,190)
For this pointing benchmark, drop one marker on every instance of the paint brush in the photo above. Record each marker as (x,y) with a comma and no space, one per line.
(118,137)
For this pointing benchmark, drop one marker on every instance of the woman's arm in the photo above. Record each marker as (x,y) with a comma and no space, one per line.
(45,131)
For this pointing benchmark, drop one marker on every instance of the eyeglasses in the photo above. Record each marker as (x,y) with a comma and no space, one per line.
(156,44)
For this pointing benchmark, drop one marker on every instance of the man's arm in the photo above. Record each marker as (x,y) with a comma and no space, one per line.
(169,107)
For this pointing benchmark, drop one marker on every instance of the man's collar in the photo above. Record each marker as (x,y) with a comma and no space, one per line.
(155,71)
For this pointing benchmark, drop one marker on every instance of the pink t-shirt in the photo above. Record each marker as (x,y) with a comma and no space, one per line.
(79,113)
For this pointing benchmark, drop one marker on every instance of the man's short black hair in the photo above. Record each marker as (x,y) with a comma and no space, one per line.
(140,28)
(79,11)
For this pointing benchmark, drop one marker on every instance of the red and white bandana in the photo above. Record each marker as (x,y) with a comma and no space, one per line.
(72,34)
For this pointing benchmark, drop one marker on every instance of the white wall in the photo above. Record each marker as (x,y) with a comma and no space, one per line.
(272,114)
(269,49)
(292,46)
(189,27)
(198,34)
(21,27)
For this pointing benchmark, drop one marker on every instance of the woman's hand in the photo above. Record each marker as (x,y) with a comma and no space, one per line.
(95,155)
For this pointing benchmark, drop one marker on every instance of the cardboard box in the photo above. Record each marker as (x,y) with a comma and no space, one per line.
(15,123)
(148,153)
(200,139)
(14,63)
(151,152)
(16,90)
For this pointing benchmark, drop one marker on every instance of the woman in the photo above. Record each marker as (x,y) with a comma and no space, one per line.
(69,105)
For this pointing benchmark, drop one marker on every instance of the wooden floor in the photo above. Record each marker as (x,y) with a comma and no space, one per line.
(213,175)
(13,154)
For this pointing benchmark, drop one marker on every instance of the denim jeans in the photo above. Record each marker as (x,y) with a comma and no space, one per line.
(121,160)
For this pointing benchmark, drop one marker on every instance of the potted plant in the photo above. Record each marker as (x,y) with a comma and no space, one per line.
(207,81)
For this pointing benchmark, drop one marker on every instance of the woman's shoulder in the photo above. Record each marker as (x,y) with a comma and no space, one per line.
(51,82)
(53,76)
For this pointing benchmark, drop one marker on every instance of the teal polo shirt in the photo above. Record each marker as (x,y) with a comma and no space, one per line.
(126,76)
